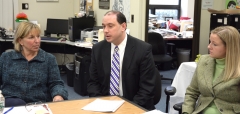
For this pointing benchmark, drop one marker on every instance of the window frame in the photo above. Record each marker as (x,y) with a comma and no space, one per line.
(177,7)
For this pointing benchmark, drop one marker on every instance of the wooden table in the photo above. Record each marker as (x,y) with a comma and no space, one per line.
(74,106)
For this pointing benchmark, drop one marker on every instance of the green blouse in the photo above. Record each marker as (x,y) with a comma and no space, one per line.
(220,65)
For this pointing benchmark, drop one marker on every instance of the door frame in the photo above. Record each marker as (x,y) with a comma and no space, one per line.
(196,30)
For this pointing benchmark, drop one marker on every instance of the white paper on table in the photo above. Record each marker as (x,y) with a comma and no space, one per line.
(155,112)
(23,110)
(100,105)
(83,44)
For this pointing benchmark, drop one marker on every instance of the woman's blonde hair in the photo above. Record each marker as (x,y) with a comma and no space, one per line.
(231,39)
(23,29)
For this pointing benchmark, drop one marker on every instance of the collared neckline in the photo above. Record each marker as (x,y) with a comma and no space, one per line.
(39,57)
(220,61)
(122,44)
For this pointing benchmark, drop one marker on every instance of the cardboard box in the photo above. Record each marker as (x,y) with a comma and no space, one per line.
(225,17)
(225,11)
(89,6)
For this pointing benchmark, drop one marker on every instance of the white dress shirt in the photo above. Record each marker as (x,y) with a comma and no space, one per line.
(121,51)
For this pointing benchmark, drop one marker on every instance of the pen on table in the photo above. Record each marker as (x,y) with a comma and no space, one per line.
(8,110)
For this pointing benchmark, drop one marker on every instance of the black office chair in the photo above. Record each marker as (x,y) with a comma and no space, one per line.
(158,87)
(170,90)
(172,52)
(158,90)
(159,51)
(178,107)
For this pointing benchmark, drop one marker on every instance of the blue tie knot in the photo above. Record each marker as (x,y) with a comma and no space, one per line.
(116,49)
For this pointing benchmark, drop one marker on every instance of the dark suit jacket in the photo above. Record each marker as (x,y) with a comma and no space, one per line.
(138,68)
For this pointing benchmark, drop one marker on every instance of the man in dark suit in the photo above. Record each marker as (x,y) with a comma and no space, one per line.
(136,73)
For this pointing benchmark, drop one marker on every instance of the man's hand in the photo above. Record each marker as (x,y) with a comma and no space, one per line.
(57,98)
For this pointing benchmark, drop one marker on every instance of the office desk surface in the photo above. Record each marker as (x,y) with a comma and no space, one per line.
(178,38)
(66,47)
(75,106)
(8,40)
(49,41)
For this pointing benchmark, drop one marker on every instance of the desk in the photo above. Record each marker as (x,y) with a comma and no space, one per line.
(66,47)
(181,81)
(170,39)
(179,43)
(186,43)
(48,41)
(74,106)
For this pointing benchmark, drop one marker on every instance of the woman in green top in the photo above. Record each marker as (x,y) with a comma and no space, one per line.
(215,86)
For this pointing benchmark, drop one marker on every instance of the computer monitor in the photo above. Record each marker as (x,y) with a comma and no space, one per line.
(57,26)
(76,25)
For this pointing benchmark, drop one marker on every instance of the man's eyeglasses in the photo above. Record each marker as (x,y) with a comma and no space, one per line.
(37,106)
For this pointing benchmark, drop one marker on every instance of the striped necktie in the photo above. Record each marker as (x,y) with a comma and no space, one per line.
(115,73)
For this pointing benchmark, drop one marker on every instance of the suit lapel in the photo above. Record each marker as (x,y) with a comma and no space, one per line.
(106,58)
(208,73)
(218,80)
(128,55)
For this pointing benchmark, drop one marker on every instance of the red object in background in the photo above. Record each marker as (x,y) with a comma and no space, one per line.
(173,27)
(21,16)
(184,18)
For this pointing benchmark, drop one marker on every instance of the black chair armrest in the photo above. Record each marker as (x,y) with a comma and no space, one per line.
(170,90)
(171,44)
(178,107)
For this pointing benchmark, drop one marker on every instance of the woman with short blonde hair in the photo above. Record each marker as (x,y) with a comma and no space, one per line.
(29,74)
(22,31)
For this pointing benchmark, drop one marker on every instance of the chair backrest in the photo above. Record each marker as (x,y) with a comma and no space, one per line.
(157,42)
(158,87)
(9,50)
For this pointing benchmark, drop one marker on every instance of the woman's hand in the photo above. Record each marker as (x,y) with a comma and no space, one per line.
(57,98)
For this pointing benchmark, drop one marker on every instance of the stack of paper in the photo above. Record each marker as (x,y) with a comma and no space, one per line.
(155,112)
(83,44)
(100,105)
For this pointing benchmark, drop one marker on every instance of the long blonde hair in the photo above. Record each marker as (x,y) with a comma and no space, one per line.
(23,29)
(231,39)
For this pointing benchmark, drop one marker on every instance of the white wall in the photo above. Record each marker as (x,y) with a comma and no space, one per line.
(205,26)
(184,8)
(40,11)
(190,12)
(8,8)
(187,8)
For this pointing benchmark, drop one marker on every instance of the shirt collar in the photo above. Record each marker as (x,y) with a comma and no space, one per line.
(122,44)
(220,61)
(40,56)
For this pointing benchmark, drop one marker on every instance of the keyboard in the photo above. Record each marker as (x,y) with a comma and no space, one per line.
(49,38)
(8,38)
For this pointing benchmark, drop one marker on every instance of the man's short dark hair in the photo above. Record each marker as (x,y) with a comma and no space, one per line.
(120,16)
